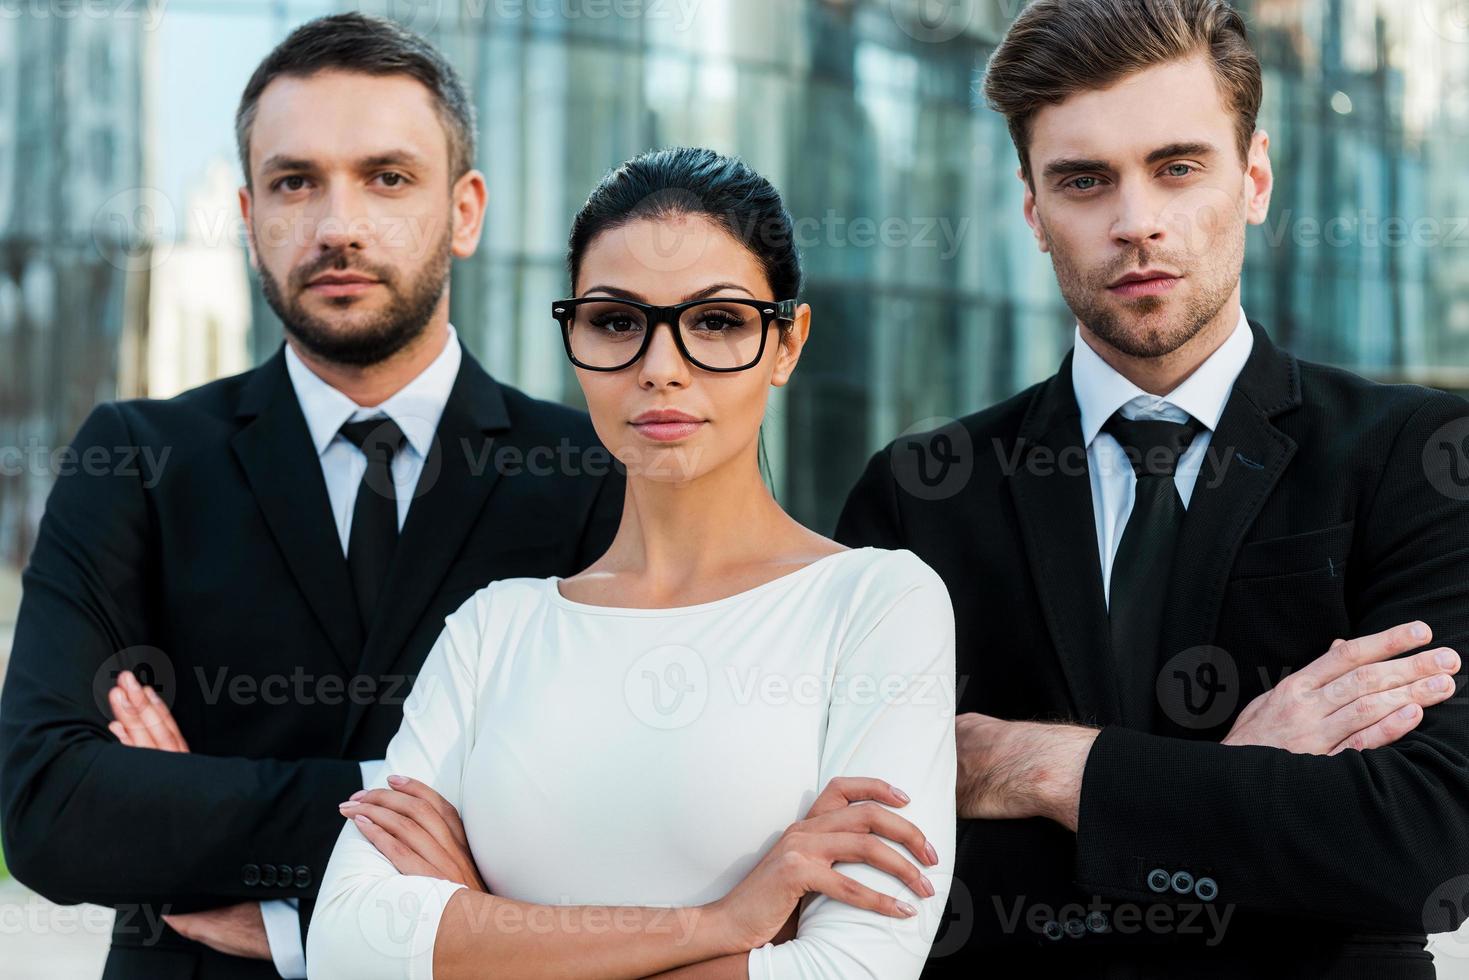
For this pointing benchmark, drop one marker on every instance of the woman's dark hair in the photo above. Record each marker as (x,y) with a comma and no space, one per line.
(356,42)
(692,181)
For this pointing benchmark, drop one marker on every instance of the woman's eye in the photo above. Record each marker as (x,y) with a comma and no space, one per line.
(716,322)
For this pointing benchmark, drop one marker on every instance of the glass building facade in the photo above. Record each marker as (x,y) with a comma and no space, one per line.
(930,298)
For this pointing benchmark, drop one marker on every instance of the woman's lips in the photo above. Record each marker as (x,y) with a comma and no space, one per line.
(667,431)
(1145,287)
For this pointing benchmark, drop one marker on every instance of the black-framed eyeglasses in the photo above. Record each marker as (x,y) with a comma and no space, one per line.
(714,334)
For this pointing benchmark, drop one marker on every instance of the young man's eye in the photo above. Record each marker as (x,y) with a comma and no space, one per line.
(1082,183)
(392,178)
(1178,169)
(291,182)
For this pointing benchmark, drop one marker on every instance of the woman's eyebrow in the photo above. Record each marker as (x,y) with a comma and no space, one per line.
(707,291)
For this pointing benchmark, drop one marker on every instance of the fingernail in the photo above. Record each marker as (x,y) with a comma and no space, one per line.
(1447,659)
(397,780)
(902,795)
(1443,682)
(362,821)
(907,909)
(1407,712)
(344,804)
(1420,632)
(358,795)
(933,855)
(127,679)
(927,885)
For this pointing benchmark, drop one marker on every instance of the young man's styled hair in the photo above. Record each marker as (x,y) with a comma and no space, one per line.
(1057,48)
(373,46)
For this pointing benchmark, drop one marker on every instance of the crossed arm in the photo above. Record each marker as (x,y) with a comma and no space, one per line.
(1340,794)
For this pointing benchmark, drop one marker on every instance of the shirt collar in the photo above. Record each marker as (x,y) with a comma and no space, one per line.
(1101,390)
(416,407)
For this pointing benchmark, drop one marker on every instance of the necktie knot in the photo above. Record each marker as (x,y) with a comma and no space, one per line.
(1153,446)
(379,438)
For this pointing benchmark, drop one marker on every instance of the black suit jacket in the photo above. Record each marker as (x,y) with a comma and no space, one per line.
(192,541)
(1330,507)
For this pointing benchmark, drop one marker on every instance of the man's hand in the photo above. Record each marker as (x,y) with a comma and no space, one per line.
(143,721)
(416,829)
(235,930)
(1010,770)
(1349,698)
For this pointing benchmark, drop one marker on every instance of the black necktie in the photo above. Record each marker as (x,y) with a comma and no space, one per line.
(1140,572)
(374,533)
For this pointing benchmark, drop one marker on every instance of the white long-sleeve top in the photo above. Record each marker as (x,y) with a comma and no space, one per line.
(651,757)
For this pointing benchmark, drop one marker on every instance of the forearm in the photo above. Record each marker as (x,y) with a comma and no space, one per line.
(458,933)
(733,967)
(1360,837)
(191,823)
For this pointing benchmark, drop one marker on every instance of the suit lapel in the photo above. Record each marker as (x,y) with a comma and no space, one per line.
(284,473)
(1245,460)
(1051,487)
(457,478)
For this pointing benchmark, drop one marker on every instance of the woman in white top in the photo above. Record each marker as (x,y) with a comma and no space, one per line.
(689,759)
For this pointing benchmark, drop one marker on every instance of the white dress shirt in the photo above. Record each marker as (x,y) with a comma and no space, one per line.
(694,734)
(1101,391)
(416,408)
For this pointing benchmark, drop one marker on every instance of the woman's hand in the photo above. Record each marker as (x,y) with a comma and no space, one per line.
(141,719)
(759,909)
(416,829)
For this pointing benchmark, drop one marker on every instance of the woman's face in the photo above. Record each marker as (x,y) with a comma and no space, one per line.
(664,262)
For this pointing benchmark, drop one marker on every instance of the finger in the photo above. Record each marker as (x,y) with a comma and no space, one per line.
(1394,673)
(170,724)
(1364,650)
(159,727)
(120,733)
(1368,710)
(1385,732)
(845,790)
(417,810)
(147,712)
(128,716)
(445,809)
(845,890)
(870,850)
(407,830)
(873,819)
(402,857)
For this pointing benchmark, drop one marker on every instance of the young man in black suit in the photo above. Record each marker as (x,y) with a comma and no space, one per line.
(1169,763)
(279,572)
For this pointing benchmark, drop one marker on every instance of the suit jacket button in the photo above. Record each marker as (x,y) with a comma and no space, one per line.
(1158,880)
(1053,930)
(1183,882)
(303,876)
(1096,921)
(250,874)
(1207,889)
(267,875)
(1075,928)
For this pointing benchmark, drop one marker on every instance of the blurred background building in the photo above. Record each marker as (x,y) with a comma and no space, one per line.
(123,270)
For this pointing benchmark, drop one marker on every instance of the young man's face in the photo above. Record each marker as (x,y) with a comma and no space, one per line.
(353,220)
(1145,178)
